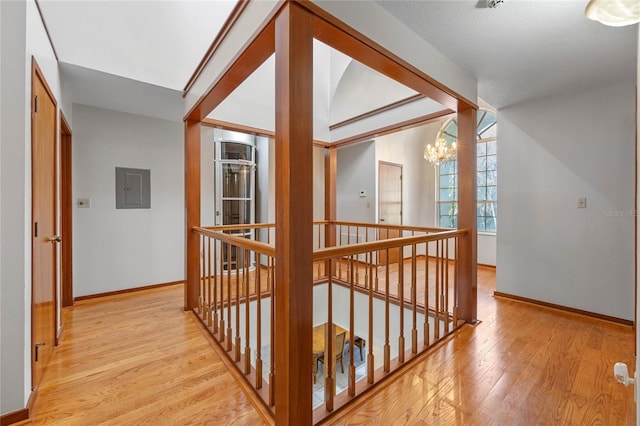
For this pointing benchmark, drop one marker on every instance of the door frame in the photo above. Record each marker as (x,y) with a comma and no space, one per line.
(395,255)
(66,214)
(37,74)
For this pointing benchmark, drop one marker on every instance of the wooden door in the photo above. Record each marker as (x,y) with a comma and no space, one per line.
(44,240)
(389,206)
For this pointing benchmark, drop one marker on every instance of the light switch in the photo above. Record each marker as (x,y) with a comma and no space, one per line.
(84,203)
(582,203)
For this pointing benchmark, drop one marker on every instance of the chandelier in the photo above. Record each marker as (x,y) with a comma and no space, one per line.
(440,153)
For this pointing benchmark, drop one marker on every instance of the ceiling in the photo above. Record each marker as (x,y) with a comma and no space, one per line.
(156,42)
(523,49)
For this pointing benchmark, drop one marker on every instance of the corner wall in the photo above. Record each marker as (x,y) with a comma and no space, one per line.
(22,36)
(117,249)
(551,152)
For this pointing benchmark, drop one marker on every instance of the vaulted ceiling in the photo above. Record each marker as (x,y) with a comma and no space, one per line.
(520,50)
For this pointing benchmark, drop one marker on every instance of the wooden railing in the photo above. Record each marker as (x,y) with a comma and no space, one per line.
(393,289)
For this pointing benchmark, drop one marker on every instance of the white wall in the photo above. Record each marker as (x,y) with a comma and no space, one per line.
(356,171)
(552,151)
(117,249)
(418,175)
(22,35)
(637,230)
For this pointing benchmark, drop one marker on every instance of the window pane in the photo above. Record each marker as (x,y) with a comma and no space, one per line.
(482,163)
(491,209)
(492,162)
(482,149)
(482,178)
(448,194)
(491,147)
(482,193)
(446,168)
(490,224)
(481,223)
(236,181)
(447,209)
(480,209)
(492,178)
(235,151)
(492,193)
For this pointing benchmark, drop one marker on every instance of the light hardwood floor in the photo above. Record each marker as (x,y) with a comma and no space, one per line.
(139,359)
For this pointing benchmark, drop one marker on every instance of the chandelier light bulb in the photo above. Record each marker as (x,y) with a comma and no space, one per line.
(440,153)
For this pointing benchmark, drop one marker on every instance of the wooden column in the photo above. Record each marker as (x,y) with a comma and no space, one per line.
(467,216)
(192,212)
(330,176)
(294,216)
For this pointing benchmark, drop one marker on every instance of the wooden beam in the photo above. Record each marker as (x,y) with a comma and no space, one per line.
(377,111)
(467,219)
(251,56)
(192,154)
(294,216)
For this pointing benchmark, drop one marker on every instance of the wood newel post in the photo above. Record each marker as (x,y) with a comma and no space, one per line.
(467,216)
(192,212)
(294,216)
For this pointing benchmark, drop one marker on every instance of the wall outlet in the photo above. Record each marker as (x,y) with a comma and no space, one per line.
(582,203)
(363,193)
(84,203)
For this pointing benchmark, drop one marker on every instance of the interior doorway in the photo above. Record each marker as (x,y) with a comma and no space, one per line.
(44,241)
(66,213)
(389,206)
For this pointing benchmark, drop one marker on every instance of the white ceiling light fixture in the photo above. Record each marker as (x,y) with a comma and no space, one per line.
(614,13)
(494,3)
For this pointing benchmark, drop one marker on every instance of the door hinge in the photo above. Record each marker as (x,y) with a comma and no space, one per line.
(35,104)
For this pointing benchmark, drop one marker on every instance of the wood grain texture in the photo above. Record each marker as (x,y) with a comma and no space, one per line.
(294,215)
(192,157)
(521,364)
(137,358)
(66,211)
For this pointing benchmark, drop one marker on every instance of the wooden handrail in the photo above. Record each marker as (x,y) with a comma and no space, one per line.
(339,251)
(326,222)
(256,246)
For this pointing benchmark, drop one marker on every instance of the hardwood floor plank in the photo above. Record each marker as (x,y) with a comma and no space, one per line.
(137,358)
(523,364)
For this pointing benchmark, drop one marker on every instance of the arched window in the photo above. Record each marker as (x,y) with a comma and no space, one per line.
(447,194)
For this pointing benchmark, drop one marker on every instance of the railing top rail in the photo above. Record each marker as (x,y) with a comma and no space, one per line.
(256,246)
(330,252)
(387,226)
(326,222)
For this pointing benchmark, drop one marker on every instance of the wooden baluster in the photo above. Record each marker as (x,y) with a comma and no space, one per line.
(237,303)
(436,324)
(401,299)
(352,366)
(247,323)
(259,325)
(455,284)
(426,296)
(319,246)
(445,286)
(414,330)
(229,299)
(329,357)
(272,348)
(215,287)
(387,348)
(368,259)
(357,258)
(222,338)
(370,359)
(209,285)
(202,278)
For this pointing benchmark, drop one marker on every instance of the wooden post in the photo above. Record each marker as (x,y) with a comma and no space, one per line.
(192,213)
(467,217)
(330,176)
(294,216)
